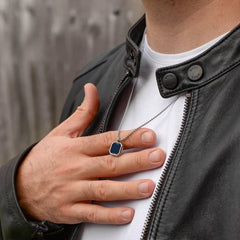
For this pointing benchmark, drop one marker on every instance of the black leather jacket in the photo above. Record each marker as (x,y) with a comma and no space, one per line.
(199,196)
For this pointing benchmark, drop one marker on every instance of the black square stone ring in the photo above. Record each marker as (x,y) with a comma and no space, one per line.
(116,149)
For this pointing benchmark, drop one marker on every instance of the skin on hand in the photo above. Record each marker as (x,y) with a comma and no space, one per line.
(59,178)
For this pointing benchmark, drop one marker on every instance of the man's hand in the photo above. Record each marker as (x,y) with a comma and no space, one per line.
(60,177)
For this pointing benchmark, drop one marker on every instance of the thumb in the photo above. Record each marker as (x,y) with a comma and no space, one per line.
(77,123)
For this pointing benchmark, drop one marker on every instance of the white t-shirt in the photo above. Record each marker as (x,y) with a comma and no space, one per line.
(145,103)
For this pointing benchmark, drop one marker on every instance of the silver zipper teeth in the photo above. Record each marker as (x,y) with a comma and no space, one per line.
(102,125)
(160,183)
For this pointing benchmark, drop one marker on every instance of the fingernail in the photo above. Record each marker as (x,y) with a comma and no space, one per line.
(143,187)
(127,215)
(147,137)
(155,156)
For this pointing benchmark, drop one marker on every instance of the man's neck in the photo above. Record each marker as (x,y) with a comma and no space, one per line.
(175,26)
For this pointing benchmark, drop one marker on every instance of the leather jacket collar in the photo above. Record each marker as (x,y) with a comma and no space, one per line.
(192,74)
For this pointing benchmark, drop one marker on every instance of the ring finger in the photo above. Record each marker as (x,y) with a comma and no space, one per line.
(106,190)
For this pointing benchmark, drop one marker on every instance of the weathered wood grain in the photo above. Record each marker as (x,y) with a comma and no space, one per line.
(43,45)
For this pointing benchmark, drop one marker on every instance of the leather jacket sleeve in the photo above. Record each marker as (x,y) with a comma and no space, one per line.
(13,223)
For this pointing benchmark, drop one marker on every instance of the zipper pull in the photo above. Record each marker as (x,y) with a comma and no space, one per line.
(126,75)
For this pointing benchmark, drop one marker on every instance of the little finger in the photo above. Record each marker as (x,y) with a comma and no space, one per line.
(93,213)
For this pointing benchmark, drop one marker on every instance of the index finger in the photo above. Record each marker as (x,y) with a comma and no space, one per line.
(99,144)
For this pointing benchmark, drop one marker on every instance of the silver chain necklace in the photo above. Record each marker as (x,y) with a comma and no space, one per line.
(116,147)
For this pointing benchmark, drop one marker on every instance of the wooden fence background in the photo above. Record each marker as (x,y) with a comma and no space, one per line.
(43,45)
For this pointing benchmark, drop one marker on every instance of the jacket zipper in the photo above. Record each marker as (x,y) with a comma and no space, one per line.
(103,124)
(166,168)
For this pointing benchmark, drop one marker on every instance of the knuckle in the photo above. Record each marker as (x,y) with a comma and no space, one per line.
(139,161)
(126,189)
(91,217)
(83,109)
(98,191)
(102,191)
(107,138)
(111,164)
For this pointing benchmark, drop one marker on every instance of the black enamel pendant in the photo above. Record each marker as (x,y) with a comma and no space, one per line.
(116,149)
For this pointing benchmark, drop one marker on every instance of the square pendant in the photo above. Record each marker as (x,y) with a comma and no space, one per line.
(116,148)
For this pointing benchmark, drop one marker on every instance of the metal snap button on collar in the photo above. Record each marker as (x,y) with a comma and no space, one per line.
(195,72)
(170,81)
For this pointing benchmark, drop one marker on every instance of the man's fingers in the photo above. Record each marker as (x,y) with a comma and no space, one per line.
(107,190)
(77,123)
(110,166)
(97,145)
(93,213)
